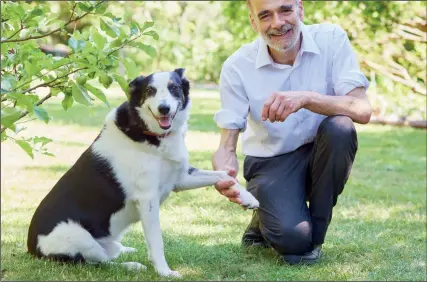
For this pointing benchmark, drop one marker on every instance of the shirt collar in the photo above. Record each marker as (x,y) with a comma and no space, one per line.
(308,45)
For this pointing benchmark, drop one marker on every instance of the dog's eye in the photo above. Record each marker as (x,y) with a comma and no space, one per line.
(175,87)
(151,90)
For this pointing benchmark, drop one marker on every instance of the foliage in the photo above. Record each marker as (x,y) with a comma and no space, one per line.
(31,76)
(388,36)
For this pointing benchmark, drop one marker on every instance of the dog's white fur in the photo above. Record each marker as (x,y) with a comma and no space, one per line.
(147,174)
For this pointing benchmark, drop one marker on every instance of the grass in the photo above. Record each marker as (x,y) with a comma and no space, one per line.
(378,231)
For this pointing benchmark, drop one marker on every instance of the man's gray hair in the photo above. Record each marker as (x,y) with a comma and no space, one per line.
(248,2)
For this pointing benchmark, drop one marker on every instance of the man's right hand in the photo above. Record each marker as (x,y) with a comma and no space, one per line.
(227,160)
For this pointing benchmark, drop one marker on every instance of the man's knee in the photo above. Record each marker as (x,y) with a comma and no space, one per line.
(288,239)
(337,129)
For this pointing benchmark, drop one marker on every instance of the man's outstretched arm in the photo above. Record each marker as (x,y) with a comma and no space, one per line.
(225,158)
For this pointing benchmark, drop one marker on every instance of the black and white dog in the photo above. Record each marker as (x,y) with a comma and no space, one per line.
(123,177)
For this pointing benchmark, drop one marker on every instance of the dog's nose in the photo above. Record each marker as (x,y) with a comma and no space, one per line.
(164,109)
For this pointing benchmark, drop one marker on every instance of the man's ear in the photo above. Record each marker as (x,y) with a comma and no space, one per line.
(301,10)
(253,24)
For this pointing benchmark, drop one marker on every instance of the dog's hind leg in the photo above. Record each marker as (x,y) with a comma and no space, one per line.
(71,239)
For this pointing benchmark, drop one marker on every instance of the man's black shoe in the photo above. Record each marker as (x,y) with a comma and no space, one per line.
(310,257)
(252,236)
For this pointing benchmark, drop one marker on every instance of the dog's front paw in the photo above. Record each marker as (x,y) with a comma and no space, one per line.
(168,273)
(248,200)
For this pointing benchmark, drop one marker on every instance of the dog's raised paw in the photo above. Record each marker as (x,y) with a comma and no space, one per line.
(248,200)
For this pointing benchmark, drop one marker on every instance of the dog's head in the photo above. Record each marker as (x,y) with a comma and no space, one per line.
(161,100)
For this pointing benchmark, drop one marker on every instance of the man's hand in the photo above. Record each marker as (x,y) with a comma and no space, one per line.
(281,104)
(226,160)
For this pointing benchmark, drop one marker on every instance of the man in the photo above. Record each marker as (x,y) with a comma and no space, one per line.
(294,93)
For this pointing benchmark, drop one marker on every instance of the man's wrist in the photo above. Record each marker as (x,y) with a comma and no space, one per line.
(228,149)
(309,98)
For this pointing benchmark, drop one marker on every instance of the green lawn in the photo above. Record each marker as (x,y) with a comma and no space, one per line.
(378,231)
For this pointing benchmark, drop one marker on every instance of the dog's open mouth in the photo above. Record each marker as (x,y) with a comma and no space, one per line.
(165,122)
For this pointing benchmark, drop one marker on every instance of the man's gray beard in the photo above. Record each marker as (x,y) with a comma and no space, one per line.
(279,46)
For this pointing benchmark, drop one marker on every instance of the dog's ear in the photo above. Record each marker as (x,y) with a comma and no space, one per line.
(136,82)
(180,72)
(134,85)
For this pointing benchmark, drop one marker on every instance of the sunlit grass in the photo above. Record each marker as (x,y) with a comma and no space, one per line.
(377,233)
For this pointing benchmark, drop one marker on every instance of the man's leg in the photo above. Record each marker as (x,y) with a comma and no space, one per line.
(333,154)
(279,184)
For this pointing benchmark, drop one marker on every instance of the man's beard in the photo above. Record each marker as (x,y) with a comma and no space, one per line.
(283,45)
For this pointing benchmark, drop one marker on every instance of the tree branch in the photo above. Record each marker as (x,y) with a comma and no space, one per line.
(48,83)
(22,27)
(49,33)
(123,45)
(412,84)
(72,12)
(37,77)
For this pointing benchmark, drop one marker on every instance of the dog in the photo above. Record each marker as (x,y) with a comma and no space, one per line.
(131,167)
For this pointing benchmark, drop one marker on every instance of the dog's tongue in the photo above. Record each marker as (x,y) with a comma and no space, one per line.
(165,121)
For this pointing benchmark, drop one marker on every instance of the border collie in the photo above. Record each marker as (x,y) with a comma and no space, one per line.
(122,178)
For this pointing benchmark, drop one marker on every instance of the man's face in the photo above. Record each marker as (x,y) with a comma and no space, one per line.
(277,21)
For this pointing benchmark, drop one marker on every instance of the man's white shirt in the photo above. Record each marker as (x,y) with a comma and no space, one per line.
(325,63)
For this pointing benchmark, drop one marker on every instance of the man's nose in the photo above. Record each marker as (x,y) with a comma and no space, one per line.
(164,109)
(277,22)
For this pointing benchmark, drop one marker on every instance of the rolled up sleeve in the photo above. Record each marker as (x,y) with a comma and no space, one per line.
(346,74)
(234,101)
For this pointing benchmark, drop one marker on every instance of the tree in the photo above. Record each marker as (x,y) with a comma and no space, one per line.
(93,56)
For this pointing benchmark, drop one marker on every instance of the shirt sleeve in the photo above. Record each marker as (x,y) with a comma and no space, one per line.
(346,74)
(234,101)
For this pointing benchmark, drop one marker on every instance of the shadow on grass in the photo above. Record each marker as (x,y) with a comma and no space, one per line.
(53,168)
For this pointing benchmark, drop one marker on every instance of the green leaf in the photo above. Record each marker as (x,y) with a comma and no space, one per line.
(152,33)
(9,116)
(43,140)
(123,84)
(41,114)
(76,45)
(80,95)
(48,154)
(116,43)
(67,102)
(110,30)
(134,28)
(83,7)
(131,68)
(146,25)
(98,93)
(34,13)
(8,82)
(23,100)
(101,8)
(3,136)
(146,48)
(26,147)
(99,40)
